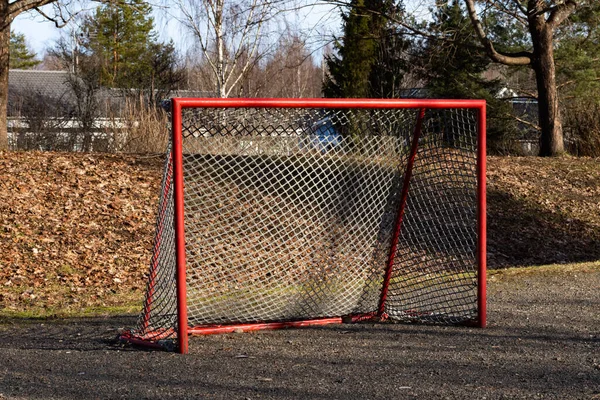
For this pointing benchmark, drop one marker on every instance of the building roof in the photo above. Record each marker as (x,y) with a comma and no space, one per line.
(33,91)
(52,91)
(50,83)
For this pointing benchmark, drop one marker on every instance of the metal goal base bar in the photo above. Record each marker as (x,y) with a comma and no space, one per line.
(158,339)
(163,339)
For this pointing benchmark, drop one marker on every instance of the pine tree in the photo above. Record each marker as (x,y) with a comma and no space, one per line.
(119,49)
(368,58)
(452,67)
(21,57)
(120,35)
(387,73)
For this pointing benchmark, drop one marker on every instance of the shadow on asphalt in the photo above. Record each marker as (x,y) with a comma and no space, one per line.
(90,334)
(79,334)
(542,341)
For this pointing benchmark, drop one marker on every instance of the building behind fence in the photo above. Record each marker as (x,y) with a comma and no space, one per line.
(57,111)
(47,110)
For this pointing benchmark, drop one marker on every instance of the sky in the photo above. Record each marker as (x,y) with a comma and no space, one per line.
(41,33)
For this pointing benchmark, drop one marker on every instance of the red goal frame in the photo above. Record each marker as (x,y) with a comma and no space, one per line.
(178,104)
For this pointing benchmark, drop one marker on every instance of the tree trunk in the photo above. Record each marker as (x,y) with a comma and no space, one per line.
(4,67)
(220,37)
(551,139)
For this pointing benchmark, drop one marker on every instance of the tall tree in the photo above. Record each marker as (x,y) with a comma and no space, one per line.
(120,35)
(368,52)
(539,21)
(228,35)
(126,54)
(21,57)
(8,12)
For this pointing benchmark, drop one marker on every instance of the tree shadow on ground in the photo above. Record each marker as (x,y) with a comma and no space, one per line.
(321,363)
(543,236)
(78,334)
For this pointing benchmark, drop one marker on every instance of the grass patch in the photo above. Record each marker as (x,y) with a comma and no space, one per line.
(95,311)
(544,270)
(66,304)
(130,303)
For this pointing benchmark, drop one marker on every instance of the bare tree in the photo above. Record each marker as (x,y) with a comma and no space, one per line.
(229,34)
(83,82)
(539,19)
(291,71)
(8,12)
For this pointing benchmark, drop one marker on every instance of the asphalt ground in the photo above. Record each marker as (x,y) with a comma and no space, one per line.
(542,342)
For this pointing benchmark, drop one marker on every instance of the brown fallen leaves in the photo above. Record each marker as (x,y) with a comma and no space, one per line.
(543,210)
(76,229)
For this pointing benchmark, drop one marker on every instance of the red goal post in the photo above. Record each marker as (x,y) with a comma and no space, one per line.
(292,212)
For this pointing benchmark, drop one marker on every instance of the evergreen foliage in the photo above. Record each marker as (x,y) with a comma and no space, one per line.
(369,60)
(21,57)
(391,64)
(453,65)
(578,65)
(120,38)
(578,54)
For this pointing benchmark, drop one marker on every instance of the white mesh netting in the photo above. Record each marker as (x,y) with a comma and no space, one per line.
(290,213)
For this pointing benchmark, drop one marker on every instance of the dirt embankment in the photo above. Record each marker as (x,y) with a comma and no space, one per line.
(76,229)
(543,210)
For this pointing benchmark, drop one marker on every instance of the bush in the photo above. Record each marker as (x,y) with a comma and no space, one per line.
(140,127)
(582,128)
(39,121)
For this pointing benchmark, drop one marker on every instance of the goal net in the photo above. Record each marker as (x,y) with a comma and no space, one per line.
(279,213)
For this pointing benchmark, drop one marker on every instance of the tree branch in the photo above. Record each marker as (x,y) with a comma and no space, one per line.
(522,58)
(21,6)
(59,24)
(504,9)
(560,12)
(400,21)
(570,82)
(525,122)
(520,7)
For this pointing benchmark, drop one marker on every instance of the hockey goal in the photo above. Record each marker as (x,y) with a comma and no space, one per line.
(285,213)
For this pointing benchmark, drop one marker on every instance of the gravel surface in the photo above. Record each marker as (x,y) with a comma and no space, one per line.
(543,341)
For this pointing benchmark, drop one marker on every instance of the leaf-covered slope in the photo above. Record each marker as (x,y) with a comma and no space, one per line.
(76,229)
(543,210)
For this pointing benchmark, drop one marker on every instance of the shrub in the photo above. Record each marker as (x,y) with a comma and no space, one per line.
(582,128)
(139,127)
